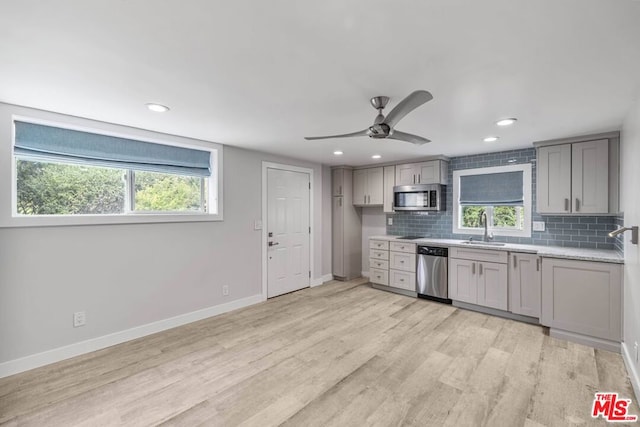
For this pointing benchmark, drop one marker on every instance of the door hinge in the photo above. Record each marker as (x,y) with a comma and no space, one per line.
(309,274)
(309,186)
(309,230)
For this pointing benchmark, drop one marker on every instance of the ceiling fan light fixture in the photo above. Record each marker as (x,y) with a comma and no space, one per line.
(338,153)
(491,139)
(506,122)
(158,108)
(376,156)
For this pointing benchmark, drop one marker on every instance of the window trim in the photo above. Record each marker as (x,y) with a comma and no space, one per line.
(214,186)
(525,168)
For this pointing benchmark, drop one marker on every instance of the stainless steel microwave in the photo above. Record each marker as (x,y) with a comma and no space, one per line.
(421,197)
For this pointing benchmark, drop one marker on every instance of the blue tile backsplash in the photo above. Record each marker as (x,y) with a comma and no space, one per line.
(568,231)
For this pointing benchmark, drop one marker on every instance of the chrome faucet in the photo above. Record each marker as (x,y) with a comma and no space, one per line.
(483,219)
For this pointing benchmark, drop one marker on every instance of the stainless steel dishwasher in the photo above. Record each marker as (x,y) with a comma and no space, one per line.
(433,277)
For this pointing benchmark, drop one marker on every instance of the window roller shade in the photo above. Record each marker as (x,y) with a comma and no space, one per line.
(48,142)
(492,189)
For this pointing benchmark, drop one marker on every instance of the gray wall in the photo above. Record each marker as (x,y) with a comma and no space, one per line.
(125,276)
(630,198)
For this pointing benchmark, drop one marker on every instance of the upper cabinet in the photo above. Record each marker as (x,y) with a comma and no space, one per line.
(389,183)
(579,176)
(337,181)
(368,187)
(431,172)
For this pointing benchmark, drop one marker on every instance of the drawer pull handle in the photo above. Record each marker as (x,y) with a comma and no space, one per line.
(378,277)
(401,261)
(401,247)
(402,280)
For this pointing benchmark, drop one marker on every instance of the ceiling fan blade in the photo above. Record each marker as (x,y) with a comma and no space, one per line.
(408,137)
(407,105)
(346,135)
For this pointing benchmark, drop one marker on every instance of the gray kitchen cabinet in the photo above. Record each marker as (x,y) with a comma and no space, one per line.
(368,187)
(582,297)
(430,172)
(579,176)
(478,277)
(346,228)
(524,284)
(590,176)
(389,178)
(554,179)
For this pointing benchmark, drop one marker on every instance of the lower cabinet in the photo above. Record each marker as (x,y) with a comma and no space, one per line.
(524,284)
(582,297)
(475,281)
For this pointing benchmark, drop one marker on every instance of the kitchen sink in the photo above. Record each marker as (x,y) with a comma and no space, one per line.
(479,242)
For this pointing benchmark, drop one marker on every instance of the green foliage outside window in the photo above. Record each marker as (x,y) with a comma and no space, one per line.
(69,189)
(503,216)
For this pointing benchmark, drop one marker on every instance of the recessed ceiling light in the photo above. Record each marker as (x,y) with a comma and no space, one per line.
(338,153)
(158,108)
(376,156)
(490,139)
(506,122)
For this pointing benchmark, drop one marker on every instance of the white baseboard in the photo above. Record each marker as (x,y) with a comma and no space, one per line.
(594,342)
(26,363)
(632,372)
(365,274)
(321,280)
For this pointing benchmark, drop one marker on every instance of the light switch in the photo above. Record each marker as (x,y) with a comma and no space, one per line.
(257,224)
(389,221)
(538,225)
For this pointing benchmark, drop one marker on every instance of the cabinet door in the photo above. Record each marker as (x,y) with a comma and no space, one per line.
(375,186)
(337,181)
(492,285)
(582,297)
(524,284)
(429,172)
(554,179)
(359,187)
(407,174)
(389,177)
(338,237)
(590,176)
(462,280)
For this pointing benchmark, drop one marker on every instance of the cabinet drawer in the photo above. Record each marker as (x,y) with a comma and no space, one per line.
(403,261)
(377,254)
(479,254)
(379,244)
(380,264)
(381,277)
(402,280)
(403,247)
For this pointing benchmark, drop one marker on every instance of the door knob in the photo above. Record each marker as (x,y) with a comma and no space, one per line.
(273,243)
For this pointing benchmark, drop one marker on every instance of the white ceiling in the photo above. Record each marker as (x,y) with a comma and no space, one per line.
(263,74)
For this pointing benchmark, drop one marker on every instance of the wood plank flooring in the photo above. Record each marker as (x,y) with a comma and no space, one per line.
(342,354)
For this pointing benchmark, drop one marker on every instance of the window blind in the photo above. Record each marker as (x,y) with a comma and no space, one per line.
(504,188)
(53,143)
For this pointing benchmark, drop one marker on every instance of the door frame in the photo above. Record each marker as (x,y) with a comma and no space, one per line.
(270,165)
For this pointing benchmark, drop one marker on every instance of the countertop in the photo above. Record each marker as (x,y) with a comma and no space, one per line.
(599,255)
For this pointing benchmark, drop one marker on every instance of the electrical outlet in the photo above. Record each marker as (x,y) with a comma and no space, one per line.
(225,290)
(389,221)
(79,319)
(257,224)
(538,225)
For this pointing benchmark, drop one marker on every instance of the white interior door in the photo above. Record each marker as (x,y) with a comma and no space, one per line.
(288,232)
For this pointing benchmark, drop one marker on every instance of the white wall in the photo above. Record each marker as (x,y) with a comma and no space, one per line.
(630,199)
(126,276)
(373,224)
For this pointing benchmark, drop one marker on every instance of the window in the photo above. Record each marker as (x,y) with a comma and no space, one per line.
(65,172)
(503,193)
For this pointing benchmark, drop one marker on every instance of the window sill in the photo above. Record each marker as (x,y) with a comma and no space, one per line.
(65,220)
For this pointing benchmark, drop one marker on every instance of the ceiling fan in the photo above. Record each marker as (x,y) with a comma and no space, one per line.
(383,127)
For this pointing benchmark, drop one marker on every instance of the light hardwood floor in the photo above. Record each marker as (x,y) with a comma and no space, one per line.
(341,354)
